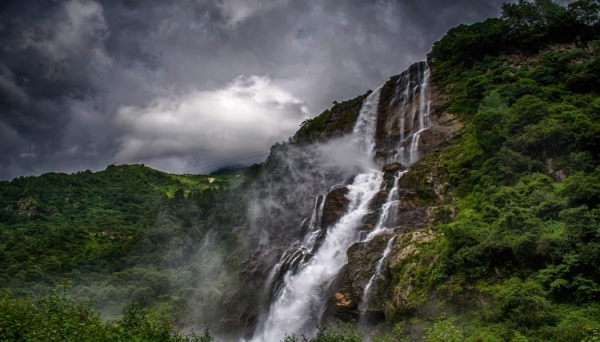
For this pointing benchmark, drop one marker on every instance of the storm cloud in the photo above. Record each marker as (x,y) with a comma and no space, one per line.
(184,83)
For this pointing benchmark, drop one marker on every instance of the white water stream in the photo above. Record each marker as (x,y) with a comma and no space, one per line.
(299,300)
(367,291)
(413,84)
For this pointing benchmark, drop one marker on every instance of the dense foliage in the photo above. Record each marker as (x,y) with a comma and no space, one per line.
(53,317)
(526,171)
(338,120)
(125,233)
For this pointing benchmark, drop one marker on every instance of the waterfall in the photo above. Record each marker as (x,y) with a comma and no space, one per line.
(299,303)
(364,129)
(413,118)
(414,148)
(296,256)
(388,210)
(425,101)
(367,291)
(315,224)
(409,85)
(298,283)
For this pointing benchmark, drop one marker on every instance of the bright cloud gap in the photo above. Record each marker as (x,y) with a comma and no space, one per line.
(193,127)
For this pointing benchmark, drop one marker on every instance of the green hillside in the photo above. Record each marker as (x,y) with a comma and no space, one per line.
(118,235)
(521,259)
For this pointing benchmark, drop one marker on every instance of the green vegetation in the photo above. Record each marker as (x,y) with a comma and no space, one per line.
(525,172)
(125,233)
(338,120)
(53,317)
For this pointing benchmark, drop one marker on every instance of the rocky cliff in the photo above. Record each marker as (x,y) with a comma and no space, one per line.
(306,192)
(423,198)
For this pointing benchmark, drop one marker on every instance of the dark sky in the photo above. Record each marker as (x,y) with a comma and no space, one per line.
(180,83)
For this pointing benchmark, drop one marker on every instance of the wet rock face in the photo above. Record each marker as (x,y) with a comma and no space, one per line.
(386,296)
(371,219)
(345,307)
(399,109)
(446,128)
(246,303)
(334,207)
(346,293)
(390,169)
(423,198)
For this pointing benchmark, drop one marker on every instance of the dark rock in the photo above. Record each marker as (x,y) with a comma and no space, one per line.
(393,168)
(249,300)
(412,217)
(408,198)
(335,206)
(380,156)
(372,317)
(346,309)
(393,103)
(346,292)
(446,129)
(370,220)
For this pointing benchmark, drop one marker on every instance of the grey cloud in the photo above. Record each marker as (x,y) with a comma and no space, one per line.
(80,78)
(11,90)
(246,116)
(10,139)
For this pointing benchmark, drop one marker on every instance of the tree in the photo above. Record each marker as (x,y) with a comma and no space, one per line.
(527,110)
(490,122)
(522,16)
(587,11)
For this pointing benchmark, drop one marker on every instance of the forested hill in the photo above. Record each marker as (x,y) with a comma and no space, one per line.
(512,252)
(521,258)
(128,221)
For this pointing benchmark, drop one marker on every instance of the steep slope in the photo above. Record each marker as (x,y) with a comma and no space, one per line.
(323,191)
(126,233)
(511,252)
(496,226)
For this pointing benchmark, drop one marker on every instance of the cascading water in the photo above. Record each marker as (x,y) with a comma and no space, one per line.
(364,129)
(412,119)
(367,291)
(388,210)
(298,304)
(299,282)
(408,86)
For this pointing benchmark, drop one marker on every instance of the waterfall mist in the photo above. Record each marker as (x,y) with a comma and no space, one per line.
(313,201)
